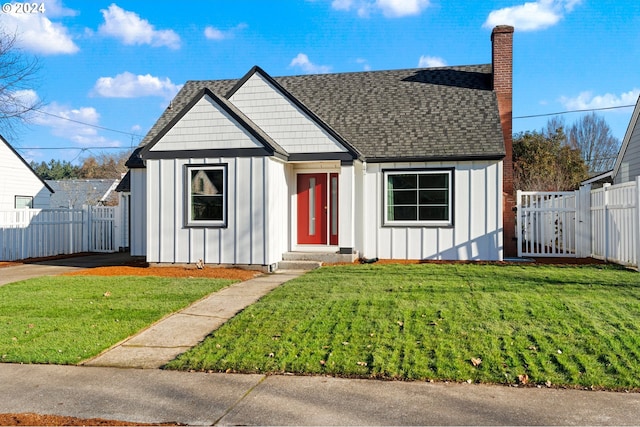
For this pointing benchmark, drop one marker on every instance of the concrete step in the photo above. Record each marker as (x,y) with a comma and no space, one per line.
(299,265)
(323,257)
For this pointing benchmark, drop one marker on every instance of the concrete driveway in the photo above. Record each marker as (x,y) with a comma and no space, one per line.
(15,273)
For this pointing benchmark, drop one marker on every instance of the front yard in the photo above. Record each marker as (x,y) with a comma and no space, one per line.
(527,324)
(65,320)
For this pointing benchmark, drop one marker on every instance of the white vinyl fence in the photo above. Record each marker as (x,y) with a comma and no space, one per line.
(603,223)
(30,233)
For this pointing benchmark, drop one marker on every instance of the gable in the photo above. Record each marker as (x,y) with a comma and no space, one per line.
(205,126)
(627,166)
(282,119)
(18,179)
(211,126)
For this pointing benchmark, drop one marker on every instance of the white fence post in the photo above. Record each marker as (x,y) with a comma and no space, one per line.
(519,230)
(583,222)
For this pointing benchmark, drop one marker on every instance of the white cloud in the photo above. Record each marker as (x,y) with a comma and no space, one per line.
(389,8)
(74,124)
(129,85)
(213,33)
(302,61)
(586,100)
(531,16)
(133,30)
(431,61)
(37,34)
(55,9)
(399,8)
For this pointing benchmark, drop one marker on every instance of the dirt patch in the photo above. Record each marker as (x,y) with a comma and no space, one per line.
(28,419)
(186,272)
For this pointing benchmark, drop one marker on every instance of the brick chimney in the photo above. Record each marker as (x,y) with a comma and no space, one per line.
(502,63)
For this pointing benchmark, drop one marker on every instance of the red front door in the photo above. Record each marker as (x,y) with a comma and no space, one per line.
(312,208)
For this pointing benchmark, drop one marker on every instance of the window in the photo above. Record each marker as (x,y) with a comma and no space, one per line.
(24,202)
(418,197)
(207,195)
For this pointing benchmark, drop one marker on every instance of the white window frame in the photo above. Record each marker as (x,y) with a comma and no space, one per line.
(418,223)
(189,221)
(29,205)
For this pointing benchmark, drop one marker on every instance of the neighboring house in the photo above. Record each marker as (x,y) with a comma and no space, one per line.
(74,193)
(627,166)
(401,164)
(20,187)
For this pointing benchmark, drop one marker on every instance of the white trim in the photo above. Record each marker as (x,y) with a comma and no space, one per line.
(189,221)
(406,223)
(294,210)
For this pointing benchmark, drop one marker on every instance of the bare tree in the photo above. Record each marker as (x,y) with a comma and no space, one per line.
(17,75)
(598,147)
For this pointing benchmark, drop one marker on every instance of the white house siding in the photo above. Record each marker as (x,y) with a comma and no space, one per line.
(206,126)
(16,179)
(630,164)
(277,186)
(282,119)
(138,242)
(477,230)
(241,242)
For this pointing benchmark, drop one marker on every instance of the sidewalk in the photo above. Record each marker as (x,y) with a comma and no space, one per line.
(153,396)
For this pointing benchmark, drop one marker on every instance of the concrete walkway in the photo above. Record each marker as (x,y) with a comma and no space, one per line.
(177,333)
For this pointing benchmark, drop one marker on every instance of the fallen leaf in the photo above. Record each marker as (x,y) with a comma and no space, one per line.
(523,378)
(548,383)
(400,323)
(107,294)
(476,361)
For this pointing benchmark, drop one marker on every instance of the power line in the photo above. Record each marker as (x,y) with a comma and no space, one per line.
(72,148)
(86,124)
(572,111)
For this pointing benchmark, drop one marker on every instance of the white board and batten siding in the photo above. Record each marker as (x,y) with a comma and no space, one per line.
(282,119)
(138,219)
(17,179)
(477,231)
(252,216)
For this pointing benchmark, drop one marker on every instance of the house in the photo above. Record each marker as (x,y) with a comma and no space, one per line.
(74,193)
(398,164)
(627,166)
(20,187)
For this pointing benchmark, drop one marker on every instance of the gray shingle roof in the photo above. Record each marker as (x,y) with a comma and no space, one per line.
(429,113)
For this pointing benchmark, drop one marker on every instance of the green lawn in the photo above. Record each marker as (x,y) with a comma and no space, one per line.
(575,326)
(66,319)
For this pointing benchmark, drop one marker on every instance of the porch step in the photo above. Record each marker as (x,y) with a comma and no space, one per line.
(299,265)
(322,257)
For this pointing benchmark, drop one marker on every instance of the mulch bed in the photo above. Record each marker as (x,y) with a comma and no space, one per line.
(185,272)
(28,419)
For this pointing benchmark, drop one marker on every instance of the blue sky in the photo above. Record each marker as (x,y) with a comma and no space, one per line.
(112,67)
